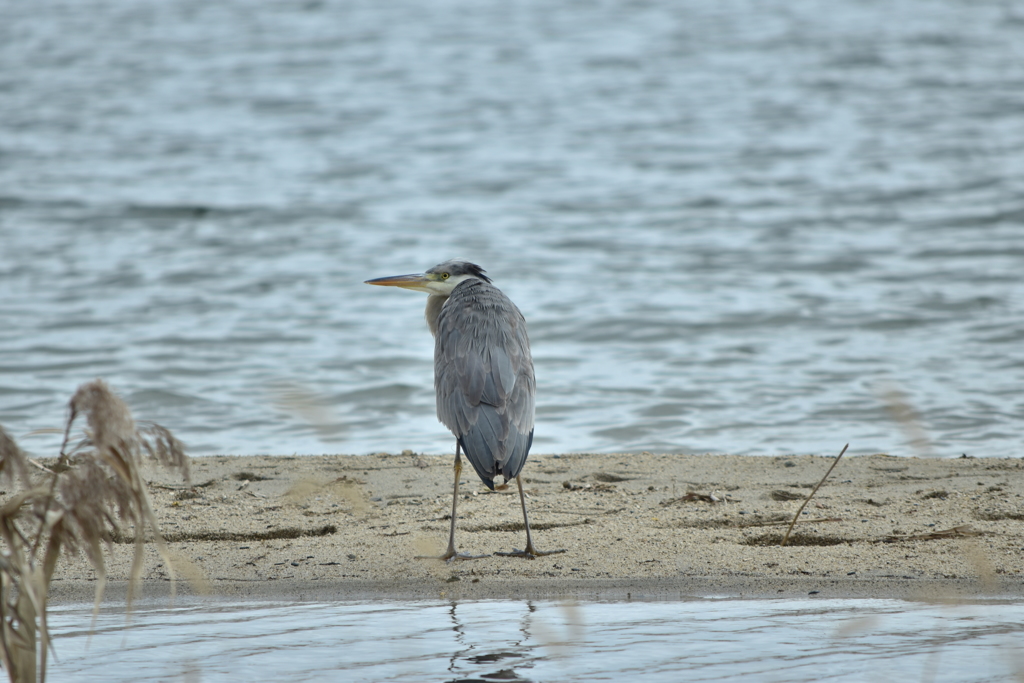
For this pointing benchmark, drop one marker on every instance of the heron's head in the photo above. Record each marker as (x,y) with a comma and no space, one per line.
(441,279)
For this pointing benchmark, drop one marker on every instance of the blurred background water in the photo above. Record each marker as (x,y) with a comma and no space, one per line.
(508,640)
(729,224)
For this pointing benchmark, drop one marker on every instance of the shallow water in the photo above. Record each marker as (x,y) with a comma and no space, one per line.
(693,640)
(729,226)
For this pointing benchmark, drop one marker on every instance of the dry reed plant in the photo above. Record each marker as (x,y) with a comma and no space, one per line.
(307,405)
(76,506)
(903,413)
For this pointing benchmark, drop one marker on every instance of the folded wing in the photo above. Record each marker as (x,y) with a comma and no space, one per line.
(483,378)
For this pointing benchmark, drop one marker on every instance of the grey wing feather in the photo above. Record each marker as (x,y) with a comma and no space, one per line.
(483,377)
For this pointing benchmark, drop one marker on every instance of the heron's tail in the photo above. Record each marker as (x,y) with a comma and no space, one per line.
(491,457)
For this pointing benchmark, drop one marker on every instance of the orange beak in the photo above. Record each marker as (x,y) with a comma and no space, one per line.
(417,282)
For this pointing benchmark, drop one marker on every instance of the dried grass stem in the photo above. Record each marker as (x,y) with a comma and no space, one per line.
(77,506)
(811,494)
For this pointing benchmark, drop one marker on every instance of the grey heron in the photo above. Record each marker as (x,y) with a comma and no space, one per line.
(483,378)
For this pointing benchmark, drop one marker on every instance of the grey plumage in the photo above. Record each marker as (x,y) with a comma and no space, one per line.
(483,377)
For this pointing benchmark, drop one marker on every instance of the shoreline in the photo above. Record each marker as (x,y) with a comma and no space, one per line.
(159,593)
(636,526)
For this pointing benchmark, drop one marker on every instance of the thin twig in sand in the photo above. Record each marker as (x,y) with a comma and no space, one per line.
(957,531)
(811,495)
(816,520)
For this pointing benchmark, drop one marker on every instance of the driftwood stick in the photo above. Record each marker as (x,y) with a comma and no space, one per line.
(811,495)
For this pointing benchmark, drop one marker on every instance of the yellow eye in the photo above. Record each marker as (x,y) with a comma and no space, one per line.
(444,276)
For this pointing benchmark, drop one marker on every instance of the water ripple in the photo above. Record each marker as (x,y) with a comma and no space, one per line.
(699,640)
(725,226)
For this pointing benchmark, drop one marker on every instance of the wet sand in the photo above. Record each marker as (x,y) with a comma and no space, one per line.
(634,526)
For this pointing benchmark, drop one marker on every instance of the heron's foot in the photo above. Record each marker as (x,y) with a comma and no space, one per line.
(451,556)
(531,552)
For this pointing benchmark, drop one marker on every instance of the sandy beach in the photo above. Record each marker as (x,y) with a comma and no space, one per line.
(634,526)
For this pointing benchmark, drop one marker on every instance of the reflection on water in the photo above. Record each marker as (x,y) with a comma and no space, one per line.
(725,222)
(695,640)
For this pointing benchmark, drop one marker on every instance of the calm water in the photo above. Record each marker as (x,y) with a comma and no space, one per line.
(728,224)
(697,640)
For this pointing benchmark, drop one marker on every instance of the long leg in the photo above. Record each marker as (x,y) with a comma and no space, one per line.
(451,554)
(531,550)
